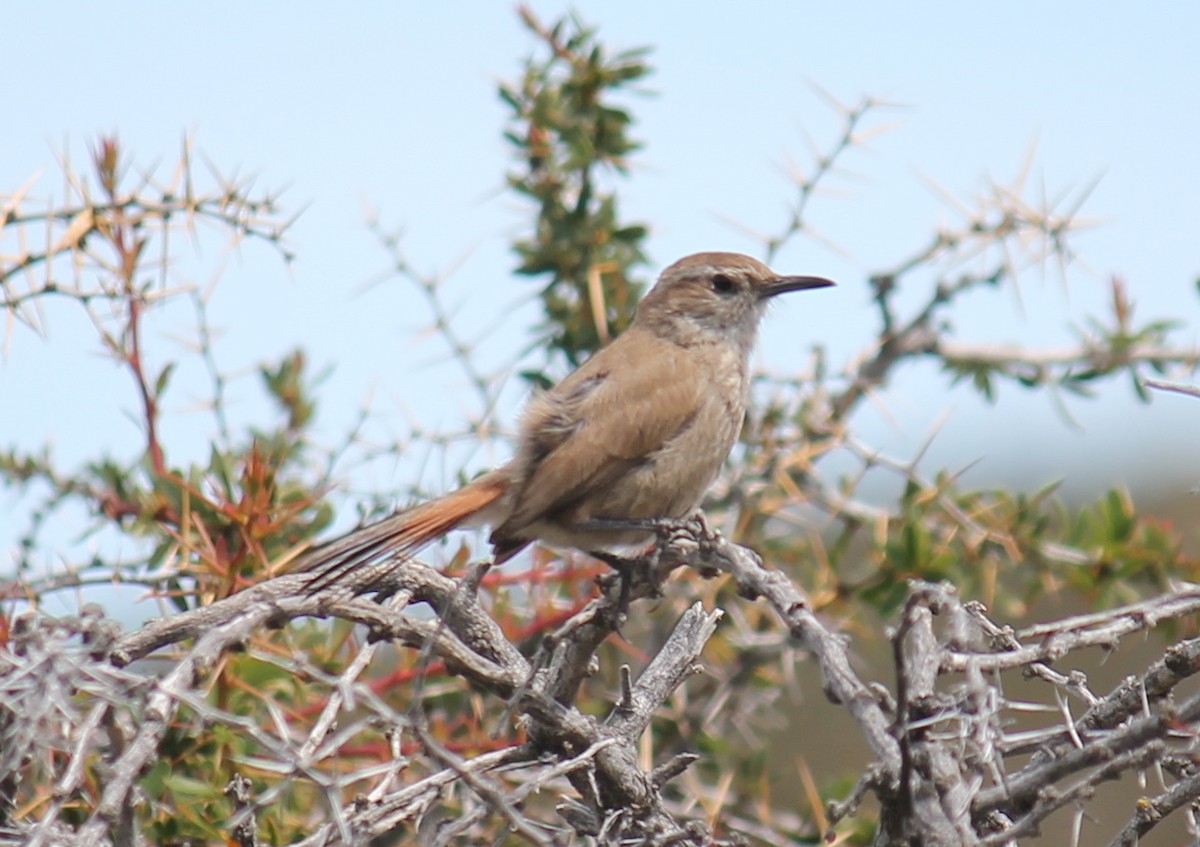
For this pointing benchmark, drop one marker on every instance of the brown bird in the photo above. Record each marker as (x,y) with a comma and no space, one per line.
(637,433)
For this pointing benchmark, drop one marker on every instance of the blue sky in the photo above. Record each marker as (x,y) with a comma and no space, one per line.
(394,106)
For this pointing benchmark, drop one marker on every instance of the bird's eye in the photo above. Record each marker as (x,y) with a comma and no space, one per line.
(722,284)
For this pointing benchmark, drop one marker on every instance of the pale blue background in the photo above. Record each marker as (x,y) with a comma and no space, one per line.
(394,105)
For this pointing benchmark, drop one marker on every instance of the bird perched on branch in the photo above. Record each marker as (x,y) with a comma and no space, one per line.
(637,434)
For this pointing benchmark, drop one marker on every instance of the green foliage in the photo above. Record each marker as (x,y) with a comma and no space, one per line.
(207,530)
(568,136)
(1107,347)
(206,527)
(1019,549)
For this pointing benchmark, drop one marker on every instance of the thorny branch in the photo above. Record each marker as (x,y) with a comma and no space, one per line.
(939,740)
(103,237)
(108,248)
(91,709)
(468,640)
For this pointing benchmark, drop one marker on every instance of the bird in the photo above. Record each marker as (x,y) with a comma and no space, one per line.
(637,434)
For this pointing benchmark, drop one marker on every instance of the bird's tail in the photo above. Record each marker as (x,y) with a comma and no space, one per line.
(400,535)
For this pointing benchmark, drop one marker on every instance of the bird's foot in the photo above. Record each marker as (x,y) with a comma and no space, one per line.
(668,532)
(627,571)
(681,535)
(693,529)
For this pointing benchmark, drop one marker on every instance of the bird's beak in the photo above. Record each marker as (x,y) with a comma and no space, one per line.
(784,284)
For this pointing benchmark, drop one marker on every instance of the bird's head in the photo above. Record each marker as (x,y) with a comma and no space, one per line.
(711,297)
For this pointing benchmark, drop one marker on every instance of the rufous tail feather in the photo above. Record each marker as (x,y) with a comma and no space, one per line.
(398,536)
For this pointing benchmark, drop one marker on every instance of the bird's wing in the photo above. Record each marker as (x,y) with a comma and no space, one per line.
(596,424)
